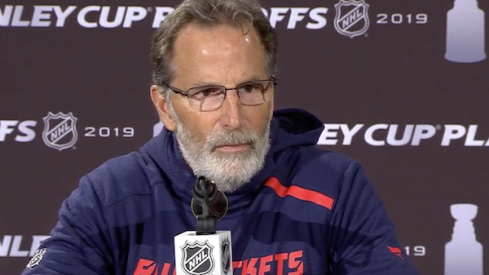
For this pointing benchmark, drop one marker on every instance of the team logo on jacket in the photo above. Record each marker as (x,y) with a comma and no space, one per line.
(60,130)
(36,259)
(226,255)
(351,17)
(197,258)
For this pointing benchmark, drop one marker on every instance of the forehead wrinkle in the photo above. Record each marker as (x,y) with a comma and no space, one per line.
(227,61)
(212,83)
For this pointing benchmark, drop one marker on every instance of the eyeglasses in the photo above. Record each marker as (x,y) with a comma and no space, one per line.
(209,98)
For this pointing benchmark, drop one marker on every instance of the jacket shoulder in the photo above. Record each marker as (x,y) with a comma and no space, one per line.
(121,177)
(321,170)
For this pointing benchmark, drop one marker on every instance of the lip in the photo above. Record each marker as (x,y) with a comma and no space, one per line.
(233,148)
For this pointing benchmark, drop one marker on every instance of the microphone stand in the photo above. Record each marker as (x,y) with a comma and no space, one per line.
(206,223)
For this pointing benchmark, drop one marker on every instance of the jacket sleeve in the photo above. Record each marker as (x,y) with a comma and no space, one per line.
(76,244)
(362,236)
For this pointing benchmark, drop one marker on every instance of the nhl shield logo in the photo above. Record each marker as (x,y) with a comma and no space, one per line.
(226,255)
(59,130)
(351,17)
(197,258)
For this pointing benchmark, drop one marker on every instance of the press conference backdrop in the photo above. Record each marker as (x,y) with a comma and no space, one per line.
(402,86)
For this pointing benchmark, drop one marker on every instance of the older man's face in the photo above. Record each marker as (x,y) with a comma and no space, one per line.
(228,145)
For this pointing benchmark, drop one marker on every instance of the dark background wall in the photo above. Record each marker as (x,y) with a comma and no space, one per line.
(386,80)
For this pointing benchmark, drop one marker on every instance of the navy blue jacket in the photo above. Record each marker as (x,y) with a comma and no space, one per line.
(308,211)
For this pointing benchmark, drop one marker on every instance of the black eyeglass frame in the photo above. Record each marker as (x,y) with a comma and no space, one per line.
(186,94)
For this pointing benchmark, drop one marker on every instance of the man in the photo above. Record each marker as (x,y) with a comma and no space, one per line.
(293,209)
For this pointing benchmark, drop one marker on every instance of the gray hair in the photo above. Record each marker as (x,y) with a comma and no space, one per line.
(209,13)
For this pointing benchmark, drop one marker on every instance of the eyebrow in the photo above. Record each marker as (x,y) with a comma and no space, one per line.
(204,83)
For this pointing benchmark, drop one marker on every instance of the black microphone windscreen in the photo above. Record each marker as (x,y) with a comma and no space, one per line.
(219,205)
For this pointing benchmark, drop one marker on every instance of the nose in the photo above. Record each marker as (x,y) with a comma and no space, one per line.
(231,111)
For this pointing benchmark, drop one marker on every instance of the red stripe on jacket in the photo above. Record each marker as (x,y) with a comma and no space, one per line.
(300,193)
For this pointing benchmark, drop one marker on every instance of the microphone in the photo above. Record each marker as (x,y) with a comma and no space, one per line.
(205,251)
(208,205)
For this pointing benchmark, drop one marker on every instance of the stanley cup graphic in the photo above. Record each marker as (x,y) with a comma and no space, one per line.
(463,254)
(465,33)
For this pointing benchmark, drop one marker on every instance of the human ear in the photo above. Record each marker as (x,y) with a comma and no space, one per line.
(162,107)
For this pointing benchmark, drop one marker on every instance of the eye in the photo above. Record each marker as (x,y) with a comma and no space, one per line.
(203,93)
(251,88)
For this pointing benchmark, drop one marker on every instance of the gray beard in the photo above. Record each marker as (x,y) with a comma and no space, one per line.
(228,171)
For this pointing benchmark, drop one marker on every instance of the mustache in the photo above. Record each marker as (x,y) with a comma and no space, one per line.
(235,137)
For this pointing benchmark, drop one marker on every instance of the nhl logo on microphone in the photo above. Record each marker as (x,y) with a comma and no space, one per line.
(197,258)
(203,254)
